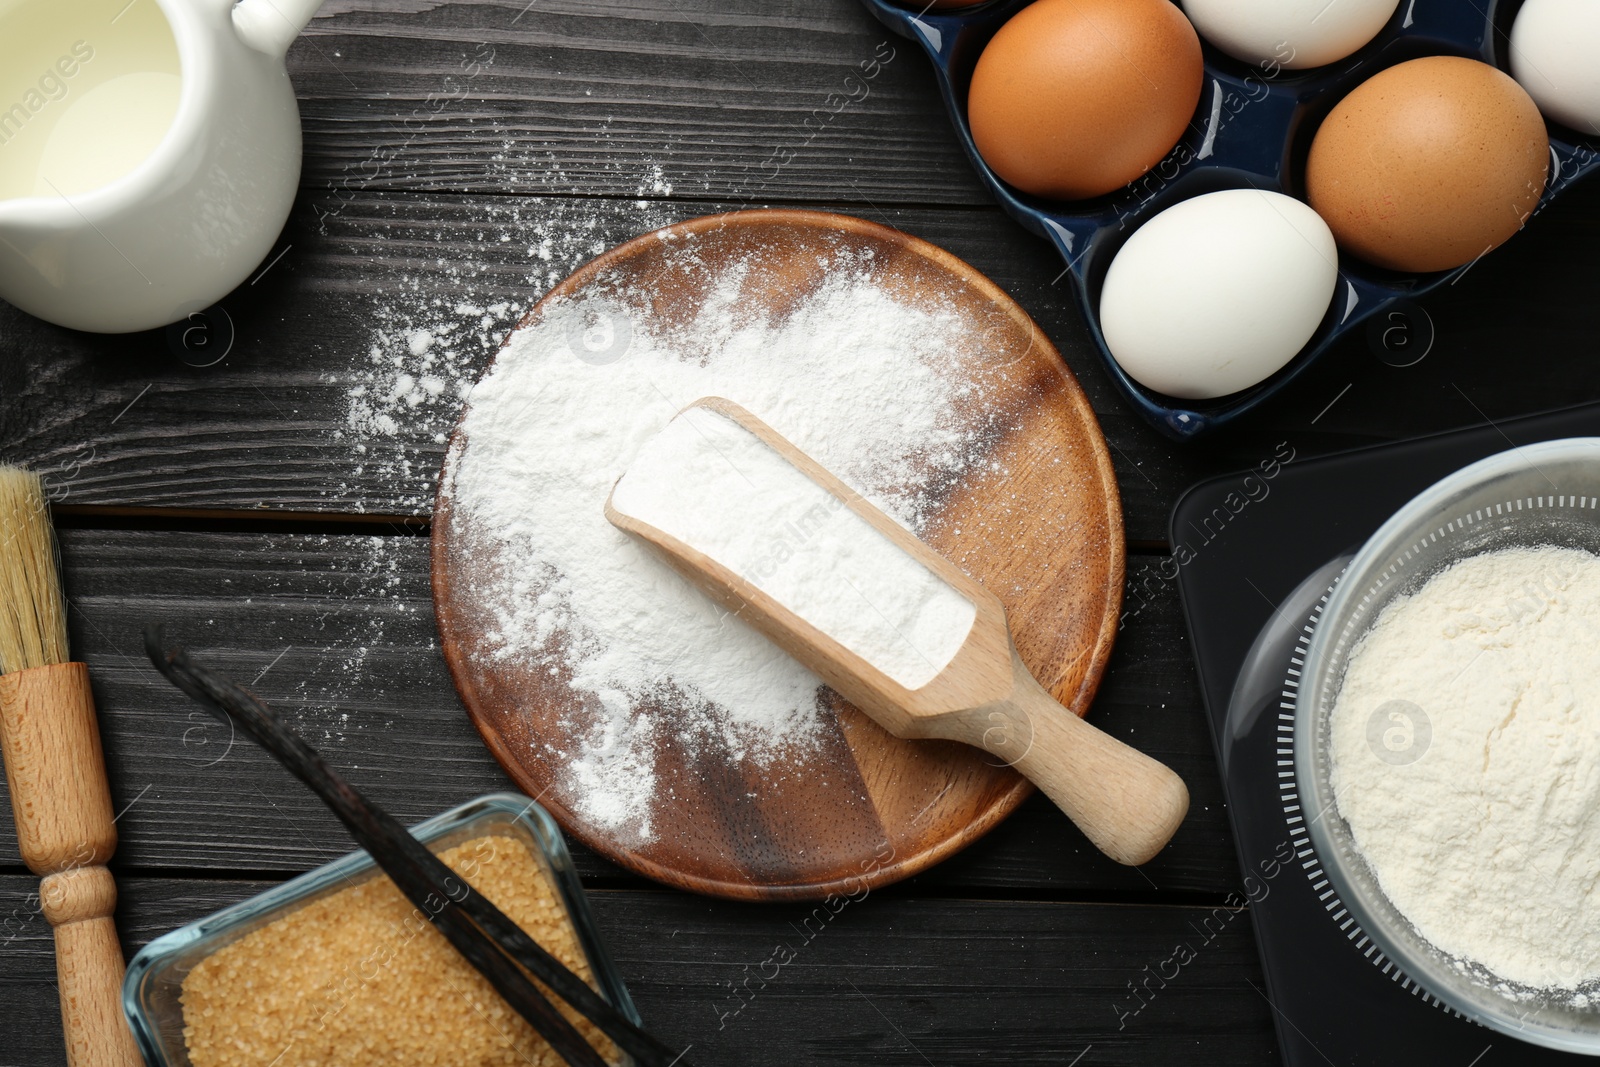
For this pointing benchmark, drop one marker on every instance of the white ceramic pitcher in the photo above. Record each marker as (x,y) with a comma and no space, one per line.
(149,153)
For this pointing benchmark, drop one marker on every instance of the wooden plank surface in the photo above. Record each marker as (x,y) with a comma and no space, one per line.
(890,979)
(461,158)
(133,421)
(273,425)
(600,98)
(337,632)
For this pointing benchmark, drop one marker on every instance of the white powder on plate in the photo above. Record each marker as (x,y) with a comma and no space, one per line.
(721,490)
(863,380)
(1466,759)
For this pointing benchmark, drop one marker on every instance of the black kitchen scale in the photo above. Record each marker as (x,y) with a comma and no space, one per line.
(1256,553)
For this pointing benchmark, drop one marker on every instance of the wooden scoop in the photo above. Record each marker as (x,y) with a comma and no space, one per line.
(1128,804)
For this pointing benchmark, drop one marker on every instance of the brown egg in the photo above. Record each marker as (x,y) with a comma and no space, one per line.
(1429,164)
(1074,98)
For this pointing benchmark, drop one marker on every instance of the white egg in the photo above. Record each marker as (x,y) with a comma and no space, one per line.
(1555,55)
(1289,33)
(1216,293)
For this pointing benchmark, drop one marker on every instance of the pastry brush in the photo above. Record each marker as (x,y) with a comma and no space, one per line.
(54,767)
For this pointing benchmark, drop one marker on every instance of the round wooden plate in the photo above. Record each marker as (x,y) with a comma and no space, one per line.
(1040,524)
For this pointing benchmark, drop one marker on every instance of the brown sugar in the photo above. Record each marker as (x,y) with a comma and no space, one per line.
(361,977)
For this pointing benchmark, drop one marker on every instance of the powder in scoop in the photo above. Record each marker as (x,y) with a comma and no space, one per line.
(1466,760)
(563,413)
(721,490)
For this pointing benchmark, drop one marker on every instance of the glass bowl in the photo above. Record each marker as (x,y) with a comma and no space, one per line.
(150,993)
(1544,494)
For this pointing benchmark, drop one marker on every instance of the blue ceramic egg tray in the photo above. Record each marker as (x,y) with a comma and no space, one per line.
(1253,128)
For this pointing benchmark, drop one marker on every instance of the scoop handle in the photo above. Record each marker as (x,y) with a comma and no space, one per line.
(1128,804)
(66,831)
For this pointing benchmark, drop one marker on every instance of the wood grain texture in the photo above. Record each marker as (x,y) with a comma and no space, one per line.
(337,632)
(269,425)
(89,972)
(891,979)
(66,832)
(557,143)
(770,100)
(983,696)
(273,427)
(60,801)
(79,904)
(861,806)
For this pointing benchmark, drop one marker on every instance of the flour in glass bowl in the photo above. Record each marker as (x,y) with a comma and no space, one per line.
(1466,760)
(862,379)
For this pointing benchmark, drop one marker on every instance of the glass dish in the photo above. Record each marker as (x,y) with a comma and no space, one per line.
(1544,494)
(150,994)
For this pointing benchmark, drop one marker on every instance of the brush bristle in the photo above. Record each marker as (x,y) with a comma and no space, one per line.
(33,619)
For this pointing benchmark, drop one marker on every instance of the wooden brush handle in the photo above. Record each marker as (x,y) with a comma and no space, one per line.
(89,968)
(57,775)
(1128,804)
(66,833)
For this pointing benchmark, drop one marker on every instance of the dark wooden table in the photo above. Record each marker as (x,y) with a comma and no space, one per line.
(472,153)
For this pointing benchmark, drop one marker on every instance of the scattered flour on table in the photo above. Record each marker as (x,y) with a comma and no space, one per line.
(420,366)
(434,325)
(857,377)
(437,323)
(1490,841)
(342,630)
